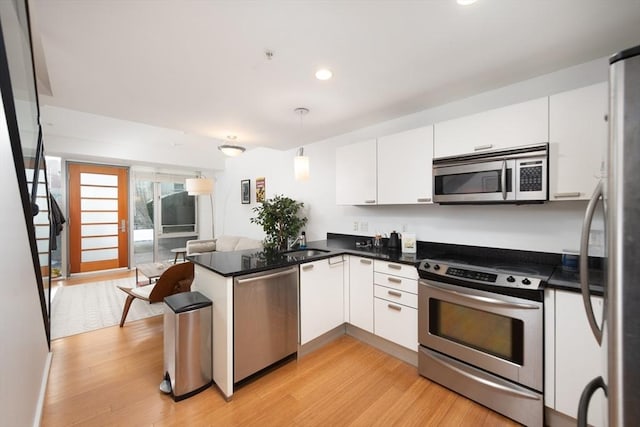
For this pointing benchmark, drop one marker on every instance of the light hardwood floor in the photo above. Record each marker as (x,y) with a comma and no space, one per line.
(111,377)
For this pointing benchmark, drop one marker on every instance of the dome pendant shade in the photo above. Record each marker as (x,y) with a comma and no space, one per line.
(199,186)
(231,150)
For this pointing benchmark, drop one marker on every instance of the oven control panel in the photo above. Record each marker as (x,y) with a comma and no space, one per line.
(476,274)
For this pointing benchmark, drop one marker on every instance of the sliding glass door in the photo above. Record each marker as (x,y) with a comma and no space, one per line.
(165,218)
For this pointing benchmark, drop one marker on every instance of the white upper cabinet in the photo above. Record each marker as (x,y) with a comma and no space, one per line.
(405,167)
(525,123)
(356,174)
(577,136)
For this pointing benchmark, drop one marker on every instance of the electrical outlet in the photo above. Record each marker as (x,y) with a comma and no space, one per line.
(355,225)
(364,226)
(404,227)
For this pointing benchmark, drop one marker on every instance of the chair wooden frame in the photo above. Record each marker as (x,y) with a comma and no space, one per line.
(177,278)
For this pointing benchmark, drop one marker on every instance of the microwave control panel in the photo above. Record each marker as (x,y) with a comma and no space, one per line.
(531,176)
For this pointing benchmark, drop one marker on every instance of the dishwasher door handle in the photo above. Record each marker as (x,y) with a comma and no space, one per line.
(268,276)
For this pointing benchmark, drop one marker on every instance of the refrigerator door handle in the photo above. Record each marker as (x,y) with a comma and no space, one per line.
(584,263)
(585,398)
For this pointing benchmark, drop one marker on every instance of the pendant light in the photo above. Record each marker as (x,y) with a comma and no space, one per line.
(300,161)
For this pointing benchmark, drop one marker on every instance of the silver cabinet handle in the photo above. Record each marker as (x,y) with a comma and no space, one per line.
(584,263)
(394,294)
(366,261)
(503,180)
(394,266)
(424,199)
(394,280)
(123,225)
(482,147)
(307,267)
(370,201)
(268,276)
(561,195)
(394,307)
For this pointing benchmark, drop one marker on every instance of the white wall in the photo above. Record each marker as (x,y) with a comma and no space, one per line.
(551,227)
(23,345)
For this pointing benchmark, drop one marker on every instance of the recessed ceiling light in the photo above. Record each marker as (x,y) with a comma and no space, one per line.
(323,74)
(465,2)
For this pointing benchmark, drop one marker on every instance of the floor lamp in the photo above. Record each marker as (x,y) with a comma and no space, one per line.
(202,186)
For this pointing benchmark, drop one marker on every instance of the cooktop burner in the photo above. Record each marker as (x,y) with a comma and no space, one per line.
(485,272)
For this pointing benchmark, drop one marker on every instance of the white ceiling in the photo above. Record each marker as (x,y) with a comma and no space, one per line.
(200,66)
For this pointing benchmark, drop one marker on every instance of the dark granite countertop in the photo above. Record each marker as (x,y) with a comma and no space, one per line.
(255,260)
(568,280)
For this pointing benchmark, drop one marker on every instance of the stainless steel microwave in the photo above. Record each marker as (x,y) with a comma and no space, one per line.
(515,175)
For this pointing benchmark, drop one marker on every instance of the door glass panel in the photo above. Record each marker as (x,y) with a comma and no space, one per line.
(99,242)
(143,234)
(472,182)
(99,229)
(167,243)
(99,217)
(178,213)
(488,332)
(98,179)
(98,205)
(99,255)
(99,192)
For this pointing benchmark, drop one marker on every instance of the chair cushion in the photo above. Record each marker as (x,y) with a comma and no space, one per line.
(226,243)
(246,243)
(143,291)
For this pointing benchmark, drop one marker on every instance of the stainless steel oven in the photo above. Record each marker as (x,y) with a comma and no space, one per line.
(481,334)
(517,175)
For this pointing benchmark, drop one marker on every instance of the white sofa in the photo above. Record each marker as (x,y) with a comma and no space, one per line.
(222,244)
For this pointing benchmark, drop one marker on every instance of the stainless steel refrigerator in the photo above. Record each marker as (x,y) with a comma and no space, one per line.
(619,335)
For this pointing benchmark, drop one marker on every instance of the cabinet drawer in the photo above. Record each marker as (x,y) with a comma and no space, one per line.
(394,295)
(401,283)
(403,270)
(396,323)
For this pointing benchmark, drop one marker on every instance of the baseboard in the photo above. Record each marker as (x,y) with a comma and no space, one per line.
(553,418)
(37,419)
(321,341)
(393,349)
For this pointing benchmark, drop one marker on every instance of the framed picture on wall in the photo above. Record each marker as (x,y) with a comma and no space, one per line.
(260,189)
(245,191)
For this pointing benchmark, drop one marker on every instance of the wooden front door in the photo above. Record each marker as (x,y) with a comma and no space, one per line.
(98,220)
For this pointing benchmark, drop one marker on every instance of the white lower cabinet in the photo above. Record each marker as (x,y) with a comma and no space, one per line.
(397,323)
(578,357)
(396,303)
(321,297)
(361,293)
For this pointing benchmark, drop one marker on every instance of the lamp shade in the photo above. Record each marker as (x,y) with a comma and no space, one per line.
(231,150)
(199,186)
(301,168)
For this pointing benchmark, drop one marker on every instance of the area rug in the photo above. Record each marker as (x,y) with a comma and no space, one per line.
(82,308)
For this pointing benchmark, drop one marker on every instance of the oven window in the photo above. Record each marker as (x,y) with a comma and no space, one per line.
(472,182)
(487,332)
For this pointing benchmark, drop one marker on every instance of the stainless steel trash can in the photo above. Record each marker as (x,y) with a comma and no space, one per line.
(187,344)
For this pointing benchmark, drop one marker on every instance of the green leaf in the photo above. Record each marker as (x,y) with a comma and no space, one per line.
(280,219)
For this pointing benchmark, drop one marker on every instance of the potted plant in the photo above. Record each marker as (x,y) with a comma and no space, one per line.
(280,219)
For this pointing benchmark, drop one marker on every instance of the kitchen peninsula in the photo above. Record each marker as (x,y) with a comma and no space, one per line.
(215,273)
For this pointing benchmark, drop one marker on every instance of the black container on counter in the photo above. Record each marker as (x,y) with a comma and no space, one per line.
(394,241)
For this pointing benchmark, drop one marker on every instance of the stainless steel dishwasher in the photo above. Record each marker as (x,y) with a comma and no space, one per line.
(265,319)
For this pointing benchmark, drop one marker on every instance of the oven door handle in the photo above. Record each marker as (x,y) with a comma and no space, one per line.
(503,180)
(490,384)
(485,300)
